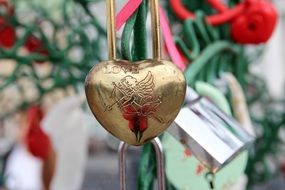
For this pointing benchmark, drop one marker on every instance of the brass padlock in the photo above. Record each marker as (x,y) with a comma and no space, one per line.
(135,101)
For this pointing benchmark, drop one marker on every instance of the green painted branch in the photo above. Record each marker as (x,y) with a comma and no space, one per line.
(140,52)
(127,36)
(208,53)
(191,37)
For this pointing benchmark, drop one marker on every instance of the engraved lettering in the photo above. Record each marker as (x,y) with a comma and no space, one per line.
(133,69)
(106,70)
(116,69)
(127,69)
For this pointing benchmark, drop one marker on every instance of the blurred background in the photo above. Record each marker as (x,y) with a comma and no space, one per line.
(49,139)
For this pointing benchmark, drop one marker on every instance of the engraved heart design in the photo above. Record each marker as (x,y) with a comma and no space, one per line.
(135,101)
(256,25)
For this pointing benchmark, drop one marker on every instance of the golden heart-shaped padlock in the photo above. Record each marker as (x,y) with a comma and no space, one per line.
(135,101)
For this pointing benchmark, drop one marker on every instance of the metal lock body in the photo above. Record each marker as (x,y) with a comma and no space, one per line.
(213,137)
(135,101)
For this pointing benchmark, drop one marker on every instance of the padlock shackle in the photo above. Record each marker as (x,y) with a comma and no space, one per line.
(111,30)
(155,25)
(122,151)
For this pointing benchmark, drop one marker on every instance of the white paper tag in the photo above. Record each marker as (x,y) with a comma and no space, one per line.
(64,123)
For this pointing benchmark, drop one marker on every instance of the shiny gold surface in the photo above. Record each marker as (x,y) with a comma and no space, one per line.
(155,23)
(111,30)
(135,101)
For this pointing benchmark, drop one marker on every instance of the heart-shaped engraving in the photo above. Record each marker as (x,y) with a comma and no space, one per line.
(256,25)
(135,101)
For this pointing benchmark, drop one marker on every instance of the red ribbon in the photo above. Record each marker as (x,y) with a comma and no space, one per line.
(38,142)
(130,7)
(225,16)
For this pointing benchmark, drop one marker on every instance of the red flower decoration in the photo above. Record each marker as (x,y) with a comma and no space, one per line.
(256,24)
(35,45)
(7,31)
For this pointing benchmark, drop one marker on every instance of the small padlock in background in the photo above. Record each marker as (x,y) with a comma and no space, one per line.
(214,137)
